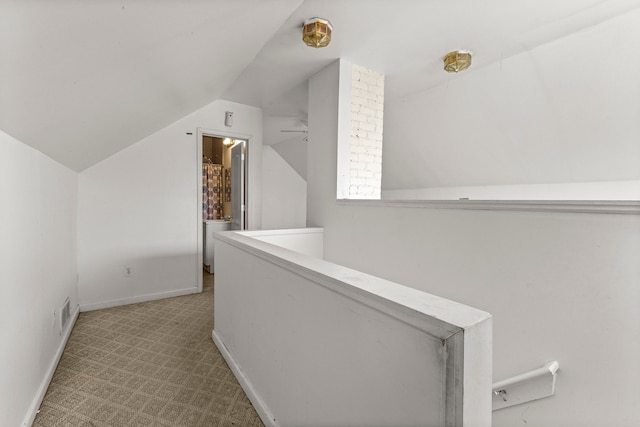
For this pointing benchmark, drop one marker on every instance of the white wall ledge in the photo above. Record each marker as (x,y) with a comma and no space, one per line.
(439,317)
(281,232)
(569,206)
(273,300)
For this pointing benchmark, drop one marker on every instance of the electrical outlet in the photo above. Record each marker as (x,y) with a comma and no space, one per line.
(128,271)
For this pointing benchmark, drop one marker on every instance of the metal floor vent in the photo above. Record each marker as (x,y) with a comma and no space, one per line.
(65,314)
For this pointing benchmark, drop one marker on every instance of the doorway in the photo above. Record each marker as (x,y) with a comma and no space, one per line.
(222,193)
(223,180)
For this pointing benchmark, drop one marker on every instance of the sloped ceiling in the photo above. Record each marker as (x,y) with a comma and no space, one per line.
(473,128)
(81,80)
(406,40)
(565,112)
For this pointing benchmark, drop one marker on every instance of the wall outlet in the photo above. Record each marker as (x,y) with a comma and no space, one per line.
(128,271)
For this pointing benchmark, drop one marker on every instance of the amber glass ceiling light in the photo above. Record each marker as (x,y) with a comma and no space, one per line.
(316,32)
(457,60)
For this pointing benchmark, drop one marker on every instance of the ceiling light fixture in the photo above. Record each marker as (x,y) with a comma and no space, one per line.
(317,32)
(457,60)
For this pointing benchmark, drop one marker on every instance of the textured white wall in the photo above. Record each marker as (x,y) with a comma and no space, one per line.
(138,208)
(365,145)
(284,193)
(37,271)
(560,286)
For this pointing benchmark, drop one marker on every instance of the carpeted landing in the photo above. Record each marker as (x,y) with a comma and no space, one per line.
(147,364)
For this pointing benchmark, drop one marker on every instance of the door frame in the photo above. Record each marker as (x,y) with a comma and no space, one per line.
(239,186)
(202,132)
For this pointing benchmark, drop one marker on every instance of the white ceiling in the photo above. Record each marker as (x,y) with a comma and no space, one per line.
(81,80)
(566,112)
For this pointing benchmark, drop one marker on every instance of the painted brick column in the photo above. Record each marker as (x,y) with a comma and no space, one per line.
(367,112)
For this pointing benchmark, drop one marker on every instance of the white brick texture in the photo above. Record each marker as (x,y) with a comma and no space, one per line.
(367,106)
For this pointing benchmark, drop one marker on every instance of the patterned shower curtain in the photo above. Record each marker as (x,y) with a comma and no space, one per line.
(211,191)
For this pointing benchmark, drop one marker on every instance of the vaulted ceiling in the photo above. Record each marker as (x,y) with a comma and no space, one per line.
(81,80)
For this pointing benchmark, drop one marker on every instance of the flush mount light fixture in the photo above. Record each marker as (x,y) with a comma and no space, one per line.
(228,141)
(457,60)
(317,32)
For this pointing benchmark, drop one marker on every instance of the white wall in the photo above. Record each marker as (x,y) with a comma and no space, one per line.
(325,128)
(560,286)
(294,152)
(561,112)
(139,208)
(317,344)
(37,272)
(307,241)
(284,193)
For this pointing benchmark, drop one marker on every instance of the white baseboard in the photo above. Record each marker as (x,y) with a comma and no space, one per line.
(261,408)
(137,299)
(42,390)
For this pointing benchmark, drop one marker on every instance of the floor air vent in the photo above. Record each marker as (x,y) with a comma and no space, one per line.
(65,314)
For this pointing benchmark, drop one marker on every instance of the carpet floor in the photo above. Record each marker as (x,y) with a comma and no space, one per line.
(146,364)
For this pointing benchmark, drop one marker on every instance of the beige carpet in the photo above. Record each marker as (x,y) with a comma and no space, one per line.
(147,364)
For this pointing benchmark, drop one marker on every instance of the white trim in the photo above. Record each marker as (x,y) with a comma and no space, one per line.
(281,232)
(44,385)
(199,226)
(139,298)
(574,206)
(343,143)
(261,408)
